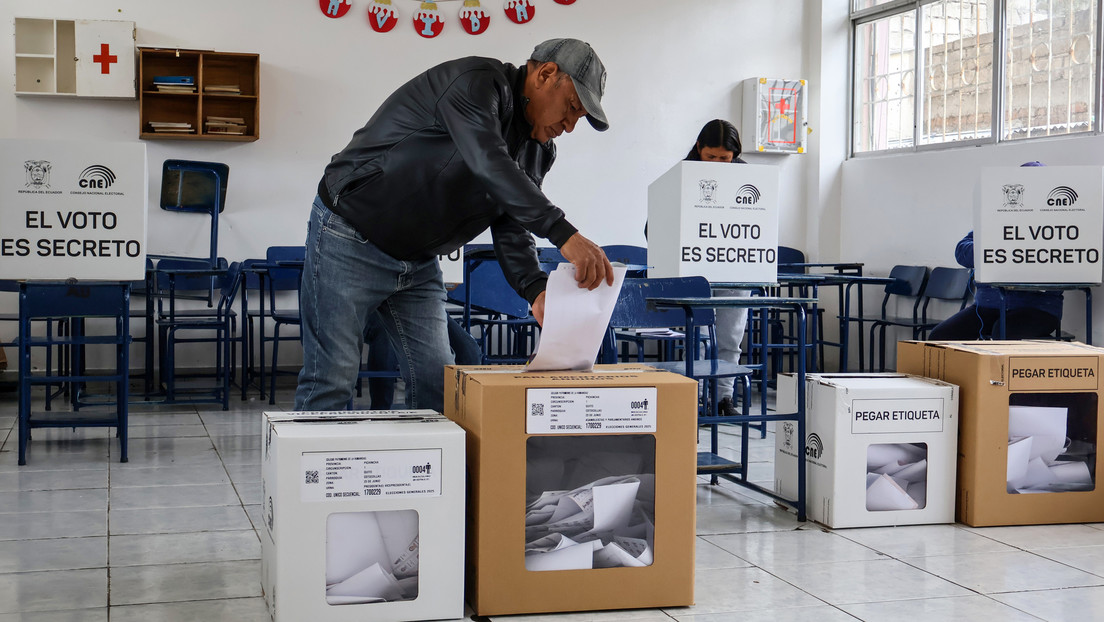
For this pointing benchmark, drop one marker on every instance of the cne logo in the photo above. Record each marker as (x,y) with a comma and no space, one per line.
(96,177)
(1062,196)
(747,194)
(814,448)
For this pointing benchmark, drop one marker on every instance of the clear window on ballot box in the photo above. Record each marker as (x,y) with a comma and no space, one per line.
(590,502)
(1051,442)
(371,557)
(896,476)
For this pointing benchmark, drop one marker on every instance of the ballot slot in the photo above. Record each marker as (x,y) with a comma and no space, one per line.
(1051,443)
(896,476)
(371,557)
(590,502)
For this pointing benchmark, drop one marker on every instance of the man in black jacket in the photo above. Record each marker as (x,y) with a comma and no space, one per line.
(461,147)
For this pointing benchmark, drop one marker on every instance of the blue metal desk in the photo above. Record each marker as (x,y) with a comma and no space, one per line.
(709,463)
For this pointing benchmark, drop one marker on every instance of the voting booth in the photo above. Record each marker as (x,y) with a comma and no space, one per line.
(582,487)
(716,220)
(1029,428)
(880,449)
(72,209)
(1039,225)
(363,516)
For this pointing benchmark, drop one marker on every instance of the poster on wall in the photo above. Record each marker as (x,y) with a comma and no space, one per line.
(72,209)
(1039,225)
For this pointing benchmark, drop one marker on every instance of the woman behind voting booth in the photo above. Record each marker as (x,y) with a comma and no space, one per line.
(719,141)
(1028,314)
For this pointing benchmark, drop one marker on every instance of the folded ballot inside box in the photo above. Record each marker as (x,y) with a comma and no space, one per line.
(1030,427)
(364,516)
(879,448)
(582,487)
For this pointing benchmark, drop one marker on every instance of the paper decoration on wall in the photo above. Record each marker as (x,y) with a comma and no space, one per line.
(520,11)
(335,8)
(474,18)
(382,16)
(428,21)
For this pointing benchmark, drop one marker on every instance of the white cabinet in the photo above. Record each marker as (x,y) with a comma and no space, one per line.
(82,58)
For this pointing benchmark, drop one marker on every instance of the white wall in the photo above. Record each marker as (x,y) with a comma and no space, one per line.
(672,67)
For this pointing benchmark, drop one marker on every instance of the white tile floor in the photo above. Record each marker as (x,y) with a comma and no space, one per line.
(171,536)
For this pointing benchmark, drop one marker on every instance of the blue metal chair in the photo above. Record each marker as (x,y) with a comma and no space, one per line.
(945,284)
(195,187)
(908,283)
(73,301)
(279,279)
(506,331)
(220,320)
(630,256)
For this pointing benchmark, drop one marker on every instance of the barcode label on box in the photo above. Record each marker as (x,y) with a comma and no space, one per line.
(331,476)
(570,410)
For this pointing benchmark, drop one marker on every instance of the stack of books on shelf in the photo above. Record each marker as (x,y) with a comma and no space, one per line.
(174,84)
(222,89)
(234,126)
(171,127)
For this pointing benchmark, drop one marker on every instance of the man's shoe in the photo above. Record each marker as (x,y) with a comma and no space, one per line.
(726,408)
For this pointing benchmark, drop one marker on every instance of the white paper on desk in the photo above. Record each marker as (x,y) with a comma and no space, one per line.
(575,321)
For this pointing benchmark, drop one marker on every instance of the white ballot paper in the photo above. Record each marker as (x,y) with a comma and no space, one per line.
(1039,452)
(604,524)
(896,477)
(575,321)
(371,557)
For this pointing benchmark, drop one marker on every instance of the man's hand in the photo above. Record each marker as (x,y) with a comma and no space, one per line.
(591,265)
(538,309)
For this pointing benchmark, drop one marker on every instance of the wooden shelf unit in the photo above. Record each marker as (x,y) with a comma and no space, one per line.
(207,68)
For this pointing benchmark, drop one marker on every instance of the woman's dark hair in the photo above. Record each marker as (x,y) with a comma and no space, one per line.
(717,133)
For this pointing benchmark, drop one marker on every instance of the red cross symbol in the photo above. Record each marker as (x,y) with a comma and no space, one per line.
(105,58)
(782,107)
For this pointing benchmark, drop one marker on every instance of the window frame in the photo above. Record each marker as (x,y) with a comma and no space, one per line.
(997,126)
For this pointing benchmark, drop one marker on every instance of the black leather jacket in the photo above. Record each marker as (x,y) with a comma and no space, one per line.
(445,156)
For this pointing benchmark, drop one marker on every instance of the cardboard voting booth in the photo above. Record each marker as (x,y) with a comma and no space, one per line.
(1040,225)
(880,449)
(582,487)
(716,220)
(363,516)
(1029,427)
(72,209)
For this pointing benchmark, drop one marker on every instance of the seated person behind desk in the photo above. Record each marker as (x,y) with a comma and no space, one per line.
(1029,314)
(719,141)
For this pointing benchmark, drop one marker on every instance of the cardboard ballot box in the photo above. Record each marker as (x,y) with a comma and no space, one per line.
(364,516)
(716,220)
(582,487)
(1029,427)
(879,450)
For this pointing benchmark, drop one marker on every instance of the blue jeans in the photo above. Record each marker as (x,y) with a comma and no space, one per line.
(346,279)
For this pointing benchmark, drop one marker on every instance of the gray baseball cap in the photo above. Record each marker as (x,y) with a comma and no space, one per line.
(578,60)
